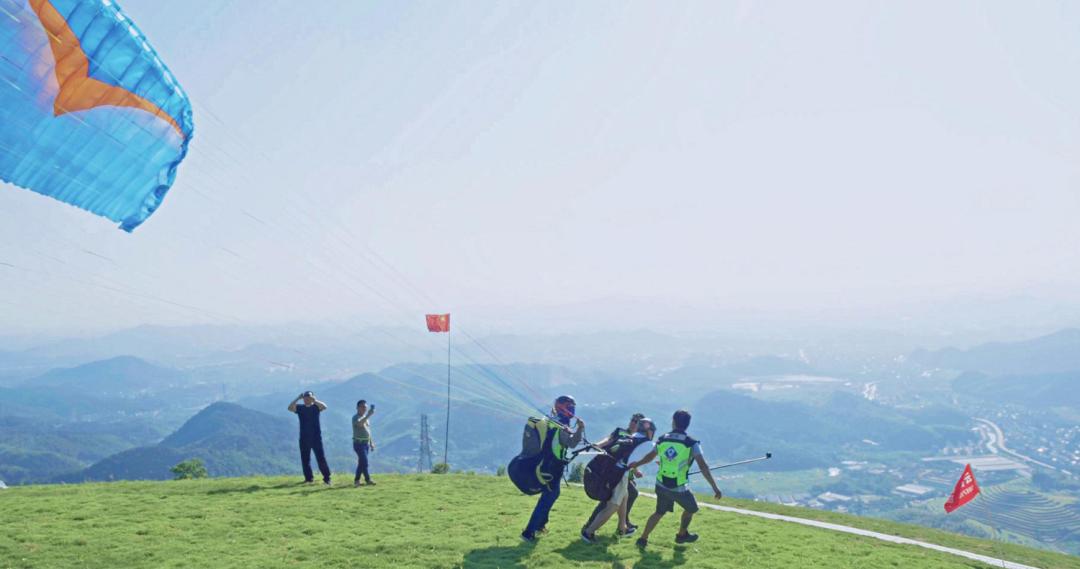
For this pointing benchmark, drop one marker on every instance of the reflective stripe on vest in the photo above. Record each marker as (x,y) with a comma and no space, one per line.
(675,451)
(556,443)
(543,426)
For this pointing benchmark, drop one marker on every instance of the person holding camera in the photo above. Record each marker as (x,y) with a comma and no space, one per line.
(362,441)
(310,435)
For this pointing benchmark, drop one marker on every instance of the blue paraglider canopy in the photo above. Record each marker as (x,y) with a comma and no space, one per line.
(89,114)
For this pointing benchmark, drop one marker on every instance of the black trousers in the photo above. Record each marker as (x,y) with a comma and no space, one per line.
(631,496)
(306,446)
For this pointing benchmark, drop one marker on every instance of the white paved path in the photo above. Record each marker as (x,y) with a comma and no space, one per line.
(865,533)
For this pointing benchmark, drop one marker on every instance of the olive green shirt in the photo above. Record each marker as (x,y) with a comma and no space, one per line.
(361,430)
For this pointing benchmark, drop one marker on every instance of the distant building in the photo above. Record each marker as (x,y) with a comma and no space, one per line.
(913,489)
(830,497)
(992,463)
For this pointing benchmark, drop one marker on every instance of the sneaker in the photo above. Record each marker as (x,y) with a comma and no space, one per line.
(326,483)
(356,483)
(642,542)
(530,539)
(630,530)
(544,530)
(687,538)
(587,538)
(370,483)
(308,482)
(631,526)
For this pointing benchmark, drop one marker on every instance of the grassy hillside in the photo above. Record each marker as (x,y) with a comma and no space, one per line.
(406,521)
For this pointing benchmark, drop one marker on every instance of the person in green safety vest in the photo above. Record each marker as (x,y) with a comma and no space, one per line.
(562,413)
(676,452)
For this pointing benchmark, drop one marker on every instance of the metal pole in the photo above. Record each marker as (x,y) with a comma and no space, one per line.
(767,456)
(993,539)
(446,436)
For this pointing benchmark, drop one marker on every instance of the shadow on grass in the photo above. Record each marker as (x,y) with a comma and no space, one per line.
(501,557)
(597,552)
(253,488)
(651,559)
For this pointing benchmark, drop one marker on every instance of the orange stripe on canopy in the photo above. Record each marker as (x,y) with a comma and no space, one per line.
(79,91)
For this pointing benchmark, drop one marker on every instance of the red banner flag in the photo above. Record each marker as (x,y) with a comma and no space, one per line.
(965,491)
(438,322)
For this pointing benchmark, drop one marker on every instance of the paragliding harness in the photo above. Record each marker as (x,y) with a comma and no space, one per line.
(533,472)
(605,471)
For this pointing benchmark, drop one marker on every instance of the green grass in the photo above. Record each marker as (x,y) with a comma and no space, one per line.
(406,521)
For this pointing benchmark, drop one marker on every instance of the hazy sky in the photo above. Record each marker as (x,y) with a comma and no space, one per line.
(510,156)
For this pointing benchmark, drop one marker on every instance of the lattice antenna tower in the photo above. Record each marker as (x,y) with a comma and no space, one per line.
(425,447)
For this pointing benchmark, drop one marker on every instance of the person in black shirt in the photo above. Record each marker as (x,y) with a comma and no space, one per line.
(310,435)
(632,486)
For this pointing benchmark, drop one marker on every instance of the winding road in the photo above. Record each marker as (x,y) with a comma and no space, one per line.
(997,442)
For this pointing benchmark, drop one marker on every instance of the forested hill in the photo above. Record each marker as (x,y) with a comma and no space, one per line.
(228,438)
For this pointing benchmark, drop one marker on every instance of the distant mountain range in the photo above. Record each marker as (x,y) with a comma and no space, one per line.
(231,440)
(1053,353)
(488,412)
(1043,372)
(119,376)
(1046,390)
(252,352)
(226,354)
(806,436)
(712,376)
(107,390)
(489,409)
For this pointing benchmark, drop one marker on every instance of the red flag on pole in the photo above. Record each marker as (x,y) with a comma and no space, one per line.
(438,322)
(965,491)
